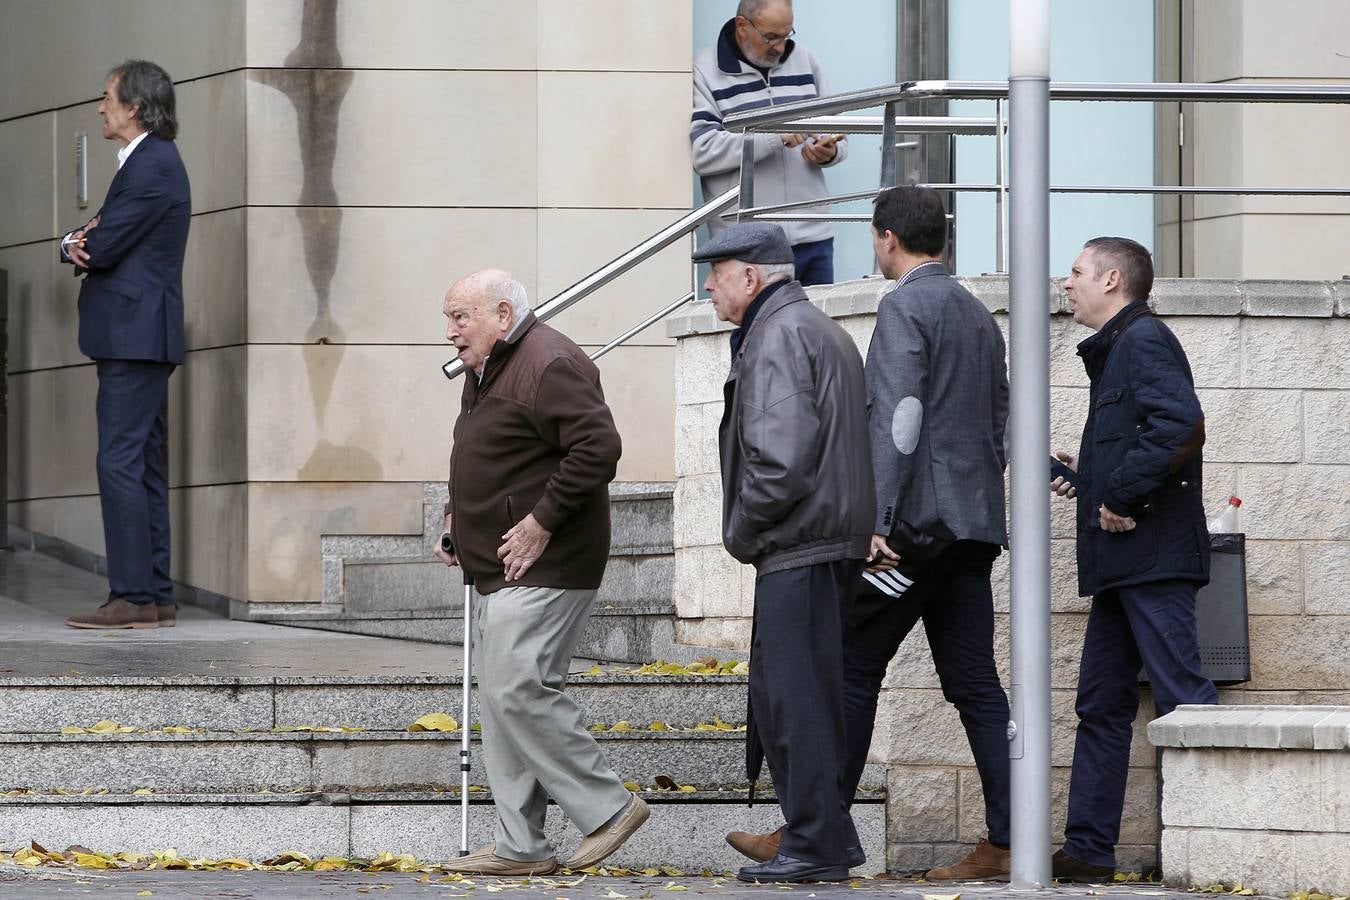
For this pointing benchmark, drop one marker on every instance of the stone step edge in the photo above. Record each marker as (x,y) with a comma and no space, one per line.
(711,794)
(453,613)
(290,737)
(606,679)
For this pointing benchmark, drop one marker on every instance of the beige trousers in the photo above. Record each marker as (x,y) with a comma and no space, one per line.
(535,743)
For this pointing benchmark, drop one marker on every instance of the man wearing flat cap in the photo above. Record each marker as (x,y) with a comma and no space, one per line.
(798,505)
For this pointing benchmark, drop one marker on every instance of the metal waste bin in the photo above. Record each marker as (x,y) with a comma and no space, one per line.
(4,409)
(1221,613)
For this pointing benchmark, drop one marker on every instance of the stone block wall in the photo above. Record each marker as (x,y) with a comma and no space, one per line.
(1256,794)
(1272,367)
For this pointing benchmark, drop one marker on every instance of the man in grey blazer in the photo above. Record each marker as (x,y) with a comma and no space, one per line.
(937,388)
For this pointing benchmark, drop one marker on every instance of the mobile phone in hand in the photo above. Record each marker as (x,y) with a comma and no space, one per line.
(1060,470)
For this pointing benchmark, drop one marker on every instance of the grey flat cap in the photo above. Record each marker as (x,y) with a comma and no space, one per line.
(752,242)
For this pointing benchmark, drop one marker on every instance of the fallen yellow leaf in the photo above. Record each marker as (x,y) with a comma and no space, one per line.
(71,729)
(621,726)
(435,722)
(145,893)
(142,792)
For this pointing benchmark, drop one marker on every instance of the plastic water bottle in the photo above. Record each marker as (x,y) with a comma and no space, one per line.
(1226,522)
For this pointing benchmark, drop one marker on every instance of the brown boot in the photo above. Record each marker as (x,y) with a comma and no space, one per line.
(118,612)
(759,847)
(168,614)
(985,861)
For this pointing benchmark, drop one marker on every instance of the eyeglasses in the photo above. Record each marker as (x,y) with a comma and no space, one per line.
(770,38)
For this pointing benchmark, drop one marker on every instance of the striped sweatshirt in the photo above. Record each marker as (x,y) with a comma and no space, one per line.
(724,84)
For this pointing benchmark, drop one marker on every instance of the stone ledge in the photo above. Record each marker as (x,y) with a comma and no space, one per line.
(1297,299)
(1255,727)
(1171,297)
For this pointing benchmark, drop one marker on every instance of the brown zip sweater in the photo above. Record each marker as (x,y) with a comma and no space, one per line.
(534,436)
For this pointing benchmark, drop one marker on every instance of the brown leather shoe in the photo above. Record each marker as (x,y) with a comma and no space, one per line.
(1064,867)
(485,861)
(985,861)
(118,613)
(759,847)
(168,614)
(610,837)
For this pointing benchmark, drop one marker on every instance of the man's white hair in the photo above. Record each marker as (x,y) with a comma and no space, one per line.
(772,273)
(505,287)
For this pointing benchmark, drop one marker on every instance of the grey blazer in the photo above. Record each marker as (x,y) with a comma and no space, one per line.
(937,390)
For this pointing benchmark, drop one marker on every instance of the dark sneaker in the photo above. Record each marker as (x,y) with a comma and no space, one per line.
(1065,868)
(118,612)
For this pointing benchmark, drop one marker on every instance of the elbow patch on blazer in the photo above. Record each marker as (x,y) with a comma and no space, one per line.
(905,425)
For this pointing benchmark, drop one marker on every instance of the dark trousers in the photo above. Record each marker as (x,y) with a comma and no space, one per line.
(814,261)
(133,483)
(796,698)
(1149,624)
(956,604)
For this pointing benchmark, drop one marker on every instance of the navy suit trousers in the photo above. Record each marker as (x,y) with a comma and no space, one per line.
(1150,624)
(814,261)
(796,693)
(955,601)
(133,480)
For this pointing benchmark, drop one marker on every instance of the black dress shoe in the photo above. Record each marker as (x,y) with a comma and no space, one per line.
(785,868)
(1064,867)
(854,857)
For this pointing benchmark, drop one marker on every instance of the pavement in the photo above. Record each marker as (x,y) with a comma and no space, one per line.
(46,883)
(37,592)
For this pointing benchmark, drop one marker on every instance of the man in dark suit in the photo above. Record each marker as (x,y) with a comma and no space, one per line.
(131,325)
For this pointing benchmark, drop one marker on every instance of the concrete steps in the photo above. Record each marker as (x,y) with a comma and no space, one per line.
(234,762)
(237,788)
(684,833)
(390,586)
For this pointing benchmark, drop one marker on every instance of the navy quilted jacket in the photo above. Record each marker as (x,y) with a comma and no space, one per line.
(1140,456)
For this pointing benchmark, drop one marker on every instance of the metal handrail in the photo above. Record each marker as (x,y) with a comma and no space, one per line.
(602,276)
(765,118)
(824,114)
(874,125)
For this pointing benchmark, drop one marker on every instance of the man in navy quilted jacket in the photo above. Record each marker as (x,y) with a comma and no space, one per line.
(1143,549)
(131,325)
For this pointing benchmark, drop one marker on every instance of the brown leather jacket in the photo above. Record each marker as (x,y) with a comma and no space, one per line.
(796,461)
(534,436)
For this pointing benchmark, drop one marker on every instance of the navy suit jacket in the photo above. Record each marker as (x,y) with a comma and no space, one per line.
(131,302)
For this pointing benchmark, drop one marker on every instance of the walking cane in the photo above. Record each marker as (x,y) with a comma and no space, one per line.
(466,718)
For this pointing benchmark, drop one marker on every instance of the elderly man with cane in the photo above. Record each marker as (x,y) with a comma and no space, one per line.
(528,519)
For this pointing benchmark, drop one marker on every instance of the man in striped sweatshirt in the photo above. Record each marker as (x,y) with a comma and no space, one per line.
(756,63)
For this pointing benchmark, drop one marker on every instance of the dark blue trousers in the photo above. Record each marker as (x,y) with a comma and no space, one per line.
(1150,624)
(796,693)
(133,477)
(956,603)
(814,261)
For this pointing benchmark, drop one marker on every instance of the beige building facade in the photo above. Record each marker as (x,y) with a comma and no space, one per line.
(349,159)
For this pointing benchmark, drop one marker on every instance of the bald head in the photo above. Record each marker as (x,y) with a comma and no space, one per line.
(480,310)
